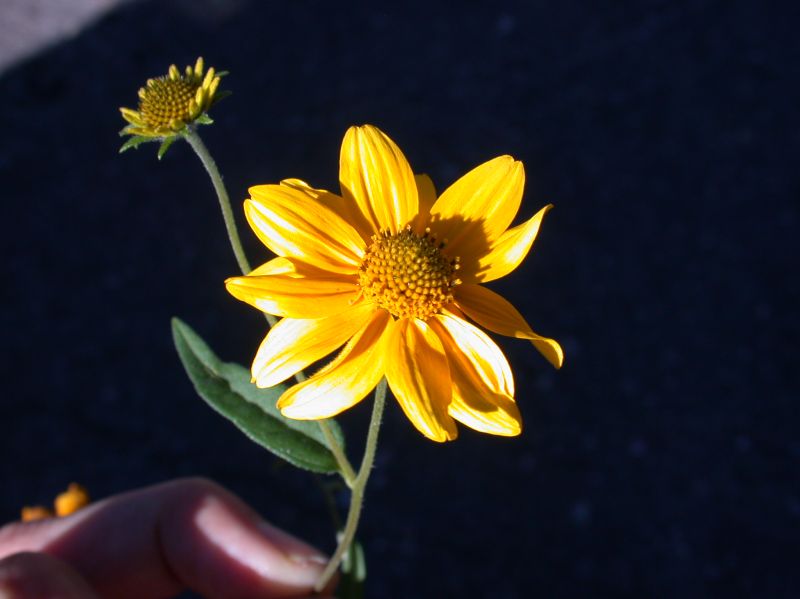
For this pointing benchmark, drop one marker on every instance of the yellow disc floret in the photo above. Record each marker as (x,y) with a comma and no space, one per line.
(167,102)
(407,274)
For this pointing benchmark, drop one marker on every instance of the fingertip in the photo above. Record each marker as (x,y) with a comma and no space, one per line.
(221,547)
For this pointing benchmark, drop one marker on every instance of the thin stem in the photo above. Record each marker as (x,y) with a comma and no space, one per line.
(357,498)
(224,201)
(348,474)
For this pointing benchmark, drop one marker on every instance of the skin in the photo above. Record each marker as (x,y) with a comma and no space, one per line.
(154,543)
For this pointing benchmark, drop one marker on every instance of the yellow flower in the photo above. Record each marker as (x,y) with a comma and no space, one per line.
(167,104)
(395,275)
(36,512)
(70,501)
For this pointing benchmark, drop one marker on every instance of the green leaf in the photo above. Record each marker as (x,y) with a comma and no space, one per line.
(134,142)
(204,119)
(226,387)
(220,95)
(162,149)
(354,573)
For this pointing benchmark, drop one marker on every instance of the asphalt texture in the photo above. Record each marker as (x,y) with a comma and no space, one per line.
(661,461)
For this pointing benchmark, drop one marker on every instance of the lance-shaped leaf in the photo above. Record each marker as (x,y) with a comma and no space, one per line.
(226,387)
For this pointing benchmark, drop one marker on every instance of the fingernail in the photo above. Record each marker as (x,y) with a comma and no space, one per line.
(271,552)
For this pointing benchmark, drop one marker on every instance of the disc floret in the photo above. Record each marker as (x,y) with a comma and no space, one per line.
(408,274)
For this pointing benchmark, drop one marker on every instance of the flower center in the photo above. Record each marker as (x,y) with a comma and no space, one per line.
(165,102)
(407,274)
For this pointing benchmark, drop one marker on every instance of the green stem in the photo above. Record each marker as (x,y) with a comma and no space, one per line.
(345,469)
(357,497)
(224,201)
(348,474)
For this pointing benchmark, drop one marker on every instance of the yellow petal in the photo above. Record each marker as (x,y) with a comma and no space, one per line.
(427,198)
(344,207)
(288,295)
(296,269)
(476,352)
(419,377)
(294,343)
(280,266)
(132,116)
(477,208)
(496,313)
(509,250)
(484,411)
(374,172)
(483,386)
(347,379)
(290,223)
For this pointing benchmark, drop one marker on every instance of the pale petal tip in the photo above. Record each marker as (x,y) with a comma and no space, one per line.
(284,404)
(262,380)
(510,431)
(302,412)
(441,435)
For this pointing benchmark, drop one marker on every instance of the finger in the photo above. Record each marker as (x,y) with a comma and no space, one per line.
(162,539)
(40,576)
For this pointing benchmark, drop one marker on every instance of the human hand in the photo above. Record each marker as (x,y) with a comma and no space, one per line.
(156,542)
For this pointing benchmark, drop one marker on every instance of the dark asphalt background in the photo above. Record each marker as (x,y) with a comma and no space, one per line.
(661,461)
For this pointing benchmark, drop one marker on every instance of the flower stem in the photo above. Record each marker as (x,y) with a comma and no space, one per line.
(357,497)
(224,201)
(348,474)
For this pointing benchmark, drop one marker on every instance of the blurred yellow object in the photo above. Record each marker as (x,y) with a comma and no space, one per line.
(36,512)
(71,500)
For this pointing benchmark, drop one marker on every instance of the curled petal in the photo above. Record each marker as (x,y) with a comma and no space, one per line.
(510,249)
(483,386)
(496,313)
(291,223)
(475,210)
(419,377)
(294,343)
(376,174)
(476,352)
(482,410)
(347,379)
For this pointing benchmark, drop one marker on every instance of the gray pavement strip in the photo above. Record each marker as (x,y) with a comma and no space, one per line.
(28,26)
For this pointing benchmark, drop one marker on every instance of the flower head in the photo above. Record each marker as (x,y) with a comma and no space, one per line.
(394,274)
(169,103)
